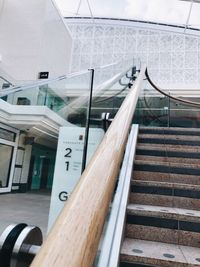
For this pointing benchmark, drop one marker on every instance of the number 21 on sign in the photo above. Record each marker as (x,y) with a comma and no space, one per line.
(68,155)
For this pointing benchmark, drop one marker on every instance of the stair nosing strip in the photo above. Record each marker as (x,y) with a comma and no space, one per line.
(167,154)
(165,223)
(168,142)
(166,169)
(165,191)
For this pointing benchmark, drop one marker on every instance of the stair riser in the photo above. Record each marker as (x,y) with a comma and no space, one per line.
(165,201)
(130,264)
(169,190)
(178,189)
(152,233)
(166,177)
(167,169)
(165,153)
(159,229)
(161,234)
(169,137)
(150,262)
(163,223)
(170,148)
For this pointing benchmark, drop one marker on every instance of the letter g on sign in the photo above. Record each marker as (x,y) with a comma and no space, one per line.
(63,196)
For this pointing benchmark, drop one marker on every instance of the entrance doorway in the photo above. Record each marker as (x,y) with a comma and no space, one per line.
(44,173)
(41,168)
(30,174)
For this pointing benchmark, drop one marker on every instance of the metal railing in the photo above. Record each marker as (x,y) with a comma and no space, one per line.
(196,104)
(34,84)
(98,90)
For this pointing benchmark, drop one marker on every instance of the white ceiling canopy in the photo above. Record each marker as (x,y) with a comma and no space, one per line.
(179,12)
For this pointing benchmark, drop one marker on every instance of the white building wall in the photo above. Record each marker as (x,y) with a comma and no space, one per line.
(33,38)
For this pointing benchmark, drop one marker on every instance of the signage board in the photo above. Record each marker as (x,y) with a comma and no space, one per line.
(43,75)
(68,164)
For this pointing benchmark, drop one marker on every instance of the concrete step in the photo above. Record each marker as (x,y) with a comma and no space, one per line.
(139,253)
(166,177)
(169,225)
(165,194)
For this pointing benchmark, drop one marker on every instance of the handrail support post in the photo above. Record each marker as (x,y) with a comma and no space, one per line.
(87,126)
(169,110)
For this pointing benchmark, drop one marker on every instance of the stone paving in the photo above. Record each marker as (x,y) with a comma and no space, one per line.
(30,208)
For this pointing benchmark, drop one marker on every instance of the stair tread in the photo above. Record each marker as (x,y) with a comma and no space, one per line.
(169,136)
(167,167)
(170,129)
(172,164)
(159,147)
(139,175)
(150,252)
(161,159)
(164,212)
(166,184)
(169,147)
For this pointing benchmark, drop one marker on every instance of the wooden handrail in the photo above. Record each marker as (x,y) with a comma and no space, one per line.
(74,238)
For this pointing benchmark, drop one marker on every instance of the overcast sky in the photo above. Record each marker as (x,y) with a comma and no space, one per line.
(171,11)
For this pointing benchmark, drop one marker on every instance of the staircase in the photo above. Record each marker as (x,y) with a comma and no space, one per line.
(163,216)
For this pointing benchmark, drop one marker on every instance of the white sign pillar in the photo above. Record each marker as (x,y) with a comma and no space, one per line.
(68,164)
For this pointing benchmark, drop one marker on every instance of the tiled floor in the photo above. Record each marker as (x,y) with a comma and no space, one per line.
(29,208)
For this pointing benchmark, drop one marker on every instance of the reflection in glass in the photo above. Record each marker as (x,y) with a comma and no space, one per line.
(5,162)
(7,135)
